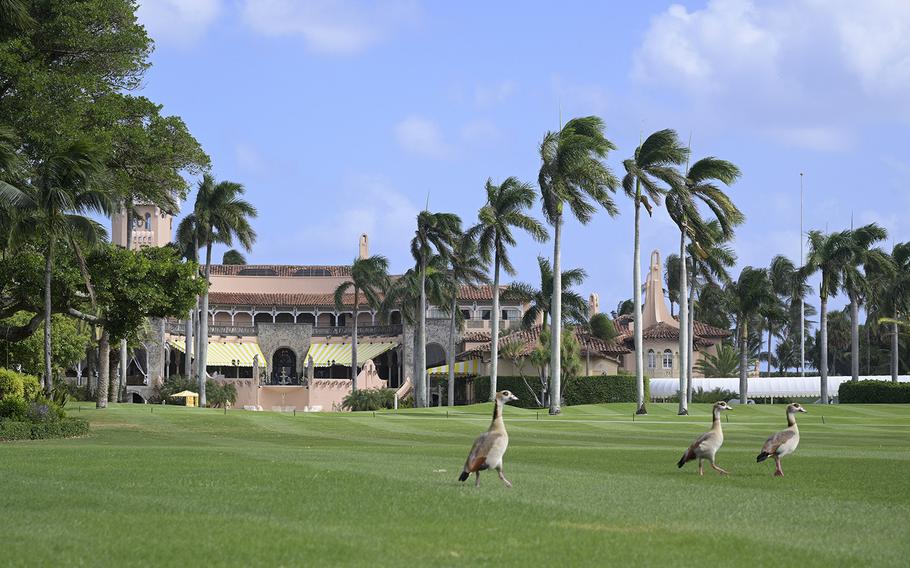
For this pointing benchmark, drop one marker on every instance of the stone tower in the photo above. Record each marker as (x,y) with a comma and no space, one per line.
(655,309)
(364,246)
(152,227)
(593,305)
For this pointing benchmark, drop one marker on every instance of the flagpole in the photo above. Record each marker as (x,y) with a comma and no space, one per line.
(802,301)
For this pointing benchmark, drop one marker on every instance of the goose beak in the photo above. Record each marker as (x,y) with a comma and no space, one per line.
(513,397)
(801,409)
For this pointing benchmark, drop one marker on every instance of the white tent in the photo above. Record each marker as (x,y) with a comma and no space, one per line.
(763,387)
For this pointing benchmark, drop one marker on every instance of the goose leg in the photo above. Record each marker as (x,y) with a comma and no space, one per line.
(503,477)
(477,478)
(778,472)
(701,467)
(718,469)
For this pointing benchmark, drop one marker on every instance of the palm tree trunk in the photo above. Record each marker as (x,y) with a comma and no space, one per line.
(124,365)
(354,341)
(895,348)
(683,326)
(420,391)
(48,273)
(494,346)
(743,362)
(823,340)
(770,332)
(104,369)
(636,285)
(450,359)
(204,328)
(556,316)
(854,339)
(188,344)
(691,347)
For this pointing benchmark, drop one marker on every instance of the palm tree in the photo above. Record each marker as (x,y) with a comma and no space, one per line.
(654,163)
(572,173)
(504,210)
(467,267)
(53,206)
(538,299)
(233,257)
(368,275)
(709,264)
(747,296)
(222,216)
(188,239)
(681,201)
(855,282)
(889,299)
(435,232)
(830,254)
(784,277)
(724,363)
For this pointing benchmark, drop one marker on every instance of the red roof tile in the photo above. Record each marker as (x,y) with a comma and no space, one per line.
(529,337)
(284,270)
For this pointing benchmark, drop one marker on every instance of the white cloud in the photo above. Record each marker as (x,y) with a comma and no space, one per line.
(331,26)
(577,99)
(249,158)
(480,131)
(421,136)
(366,204)
(805,71)
(492,94)
(179,22)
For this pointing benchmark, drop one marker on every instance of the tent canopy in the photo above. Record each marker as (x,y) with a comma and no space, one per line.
(227,354)
(324,353)
(184,394)
(761,387)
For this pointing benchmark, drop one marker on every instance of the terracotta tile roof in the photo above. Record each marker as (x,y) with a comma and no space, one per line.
(661,330)
(476,336)
(705,330)
(277,299)
(285,270)
(482,292)
(623,326)
(529,337)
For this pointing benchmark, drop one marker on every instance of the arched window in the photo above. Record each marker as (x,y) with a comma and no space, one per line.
(668,359)
(148,222)
(652,359)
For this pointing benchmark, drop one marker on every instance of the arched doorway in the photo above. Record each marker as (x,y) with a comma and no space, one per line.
(436,355)
(284,367)
(137,398)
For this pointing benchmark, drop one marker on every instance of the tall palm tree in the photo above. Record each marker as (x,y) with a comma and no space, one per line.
(649,175)
(782,274)
(889,299)
(829,254)
(434,235)
(699,185)
(504,211)
(747,296)
(233,257)
(222,216)
(467,267)
(855,283)
(188,238)
(539,298)
(52,207)
(572,173)
(371,277)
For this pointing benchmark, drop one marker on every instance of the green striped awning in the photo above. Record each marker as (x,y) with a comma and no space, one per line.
(324,353)
(227,354)
(470,367)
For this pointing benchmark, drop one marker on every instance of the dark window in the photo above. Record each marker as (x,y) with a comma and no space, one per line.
(312,272)
(257,272)
(466,314)
(485,315)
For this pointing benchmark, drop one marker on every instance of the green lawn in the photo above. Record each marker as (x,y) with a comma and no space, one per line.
(183,486)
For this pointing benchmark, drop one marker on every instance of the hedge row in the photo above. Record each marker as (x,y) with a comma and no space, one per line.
(64,428)
(597,389)
(874,392)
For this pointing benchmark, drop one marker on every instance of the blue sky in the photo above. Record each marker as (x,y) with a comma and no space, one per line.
(343,117)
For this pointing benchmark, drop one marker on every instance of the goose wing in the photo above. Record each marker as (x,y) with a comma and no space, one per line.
(774,442)
(478,456)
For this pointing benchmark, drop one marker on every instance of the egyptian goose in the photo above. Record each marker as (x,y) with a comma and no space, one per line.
(489,447)
(784,442)
(706,446)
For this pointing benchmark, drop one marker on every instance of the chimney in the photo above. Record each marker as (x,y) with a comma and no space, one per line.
(364,246)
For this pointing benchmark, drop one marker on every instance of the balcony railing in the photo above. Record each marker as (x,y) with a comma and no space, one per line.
(178,328)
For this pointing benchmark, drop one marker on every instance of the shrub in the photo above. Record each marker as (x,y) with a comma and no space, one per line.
(218,394)
(19,386)
(65,428)
(369,399)
(597,389)
(874,392)
(13,409)
(713,395)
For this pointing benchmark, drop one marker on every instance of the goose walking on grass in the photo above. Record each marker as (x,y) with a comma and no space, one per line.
(706,446)
(784,442)
(490,446)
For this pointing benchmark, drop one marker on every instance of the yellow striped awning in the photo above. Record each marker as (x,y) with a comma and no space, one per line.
(227,354)
(324,353)
(470,367)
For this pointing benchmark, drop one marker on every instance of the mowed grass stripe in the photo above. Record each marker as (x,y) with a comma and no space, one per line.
(181,486)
